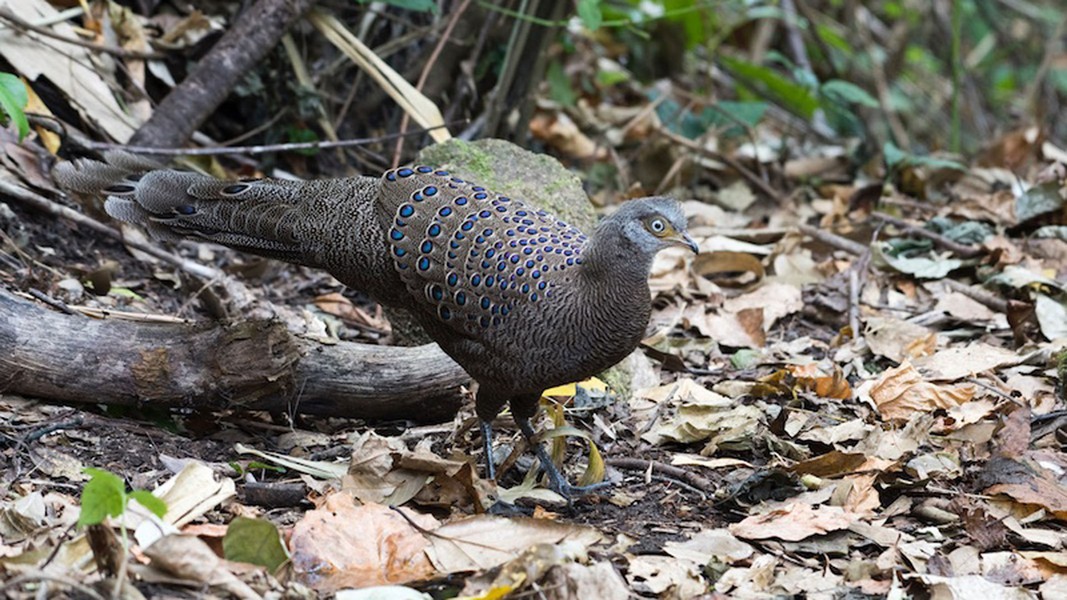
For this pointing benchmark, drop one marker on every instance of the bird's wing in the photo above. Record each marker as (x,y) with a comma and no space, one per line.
(471,255)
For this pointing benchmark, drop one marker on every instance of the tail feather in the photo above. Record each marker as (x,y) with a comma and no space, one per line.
(254,216)
(87,176)
(332,223)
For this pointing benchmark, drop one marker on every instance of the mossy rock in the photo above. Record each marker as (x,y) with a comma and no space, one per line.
(508,169)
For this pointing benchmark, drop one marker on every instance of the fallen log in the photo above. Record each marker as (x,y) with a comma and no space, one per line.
(212,366)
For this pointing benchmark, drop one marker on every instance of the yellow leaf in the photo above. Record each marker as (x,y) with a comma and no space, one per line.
(498,592)
(49,138)
(570,389)
(594,471)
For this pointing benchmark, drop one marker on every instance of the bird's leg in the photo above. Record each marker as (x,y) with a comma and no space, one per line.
(487,448)
(487,405)
(556,480)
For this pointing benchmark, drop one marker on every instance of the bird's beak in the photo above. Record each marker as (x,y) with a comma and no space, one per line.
(683,239)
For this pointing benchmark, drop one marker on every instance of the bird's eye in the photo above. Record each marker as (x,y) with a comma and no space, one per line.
(657,226)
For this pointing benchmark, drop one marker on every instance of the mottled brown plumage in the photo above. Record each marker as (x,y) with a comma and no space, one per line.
(520,299)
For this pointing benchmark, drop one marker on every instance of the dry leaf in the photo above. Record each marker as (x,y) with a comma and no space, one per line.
(793,522)
(900,393)
(343,545)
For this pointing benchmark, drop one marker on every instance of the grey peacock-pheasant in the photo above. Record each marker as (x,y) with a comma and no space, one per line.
(520,299)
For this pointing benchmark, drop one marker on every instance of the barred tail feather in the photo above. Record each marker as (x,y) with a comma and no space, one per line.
(253,216)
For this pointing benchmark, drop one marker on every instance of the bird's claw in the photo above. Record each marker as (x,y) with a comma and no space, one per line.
(559,484)
(570,492)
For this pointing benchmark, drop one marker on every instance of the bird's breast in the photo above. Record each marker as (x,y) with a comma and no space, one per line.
(550,344)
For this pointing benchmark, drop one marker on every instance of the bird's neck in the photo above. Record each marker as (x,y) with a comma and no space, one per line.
(615,303)
(612,264)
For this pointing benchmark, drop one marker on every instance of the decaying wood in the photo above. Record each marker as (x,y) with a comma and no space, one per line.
(253,364)
(188,105)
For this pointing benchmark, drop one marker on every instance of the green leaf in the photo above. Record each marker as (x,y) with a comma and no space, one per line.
(303,135)
(124,293)
(693,18)
(729,112)
(149,501)
(1058,79)
(17,89)
(893,156)
(589,13)
(936,163)
(610,78)
(104,495)
(921,267)
(731,116)
(13,101)
(413,5)
(263,466)
(744,358)
(847,93)
(833,39)
(559,85)
(254,541)
(896,158)
(770,84)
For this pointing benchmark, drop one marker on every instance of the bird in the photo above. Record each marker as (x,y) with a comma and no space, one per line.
(520,299)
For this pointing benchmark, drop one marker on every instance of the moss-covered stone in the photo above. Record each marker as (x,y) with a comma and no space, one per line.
(508,169)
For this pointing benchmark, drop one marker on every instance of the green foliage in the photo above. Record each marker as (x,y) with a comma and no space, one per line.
(840,99)
(945,81)
(739,114)
(559,86)
(1058,79)
(730,117)
(303,135)
(412,5)
(609,78)
(148,500)
(13,101)
(254,465)
(764,82)
(694,25)
(105,495)
(896,159)
(846,93)
(744,358)
(254,541)
(589,13)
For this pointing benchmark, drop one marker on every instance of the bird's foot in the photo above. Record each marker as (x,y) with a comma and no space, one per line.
(556,481)
(570,491)
(559,484)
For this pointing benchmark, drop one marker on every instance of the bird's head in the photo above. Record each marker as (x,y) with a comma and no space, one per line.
(653,224)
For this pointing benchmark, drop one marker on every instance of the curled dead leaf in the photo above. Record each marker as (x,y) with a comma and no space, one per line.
(729,269)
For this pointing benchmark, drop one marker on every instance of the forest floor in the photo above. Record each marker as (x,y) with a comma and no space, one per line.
(855,390)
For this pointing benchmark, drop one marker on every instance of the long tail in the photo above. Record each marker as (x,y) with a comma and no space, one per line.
(266,216)
(327,223)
